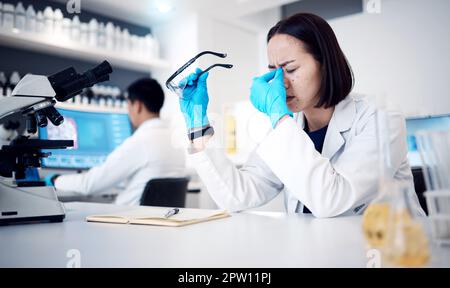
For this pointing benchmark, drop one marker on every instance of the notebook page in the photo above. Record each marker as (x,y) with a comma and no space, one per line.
(142,212)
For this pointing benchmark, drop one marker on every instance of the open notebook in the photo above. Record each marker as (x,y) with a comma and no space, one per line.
(146,215)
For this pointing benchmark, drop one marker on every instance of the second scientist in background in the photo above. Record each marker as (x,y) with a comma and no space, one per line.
(146,155)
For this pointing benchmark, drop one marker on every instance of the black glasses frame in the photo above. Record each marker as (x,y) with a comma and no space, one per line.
(180,70)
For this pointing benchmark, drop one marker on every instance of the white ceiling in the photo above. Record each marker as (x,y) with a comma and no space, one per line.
(145,12)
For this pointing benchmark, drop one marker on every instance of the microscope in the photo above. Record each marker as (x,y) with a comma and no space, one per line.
(32,105)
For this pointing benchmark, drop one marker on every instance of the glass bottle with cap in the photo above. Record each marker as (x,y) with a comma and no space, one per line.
(118,39)
(20,19)
(101,36)
(1,15)
(30,23)
(93,32)
(40,22)
(126,40)
(14,80)
(75,33)
(2,84)
(66,28)
(84,33)
(49,20)
(8,16)
(58,22)
(109,36)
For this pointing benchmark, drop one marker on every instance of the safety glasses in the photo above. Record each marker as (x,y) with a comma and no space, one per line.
(177,83)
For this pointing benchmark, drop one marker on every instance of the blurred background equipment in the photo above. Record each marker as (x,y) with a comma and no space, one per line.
(435,154)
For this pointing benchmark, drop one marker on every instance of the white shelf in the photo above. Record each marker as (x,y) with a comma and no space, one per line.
(90,108)
(67,48)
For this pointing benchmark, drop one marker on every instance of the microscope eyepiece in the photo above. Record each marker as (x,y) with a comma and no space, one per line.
(101,72)
(69,83)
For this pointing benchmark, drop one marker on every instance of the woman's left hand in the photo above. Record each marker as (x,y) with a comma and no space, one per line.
(268,95)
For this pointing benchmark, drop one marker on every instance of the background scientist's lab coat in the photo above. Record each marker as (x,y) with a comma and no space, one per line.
(147,154)
(340,181)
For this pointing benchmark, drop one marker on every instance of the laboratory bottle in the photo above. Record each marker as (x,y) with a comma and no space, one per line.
(126,40)
(108,96)
(90,96)
(101,37)
(102,101)
(84,33)
(66,28)
(14,80)
(118,39)
(109,32)
(7,89)
(30,23)
(93,32)
(1,14)
(49,20)
(149,46)
(115,93)
(2,83)
(40,22)
(58,22)
(75,31)
(8,17)
(143,48)
(19,18)
(156,47)
(77,99)
(85,100)
(134,44)
(406,243)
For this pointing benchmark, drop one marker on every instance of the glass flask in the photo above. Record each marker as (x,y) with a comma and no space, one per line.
(406,243)
(375,218)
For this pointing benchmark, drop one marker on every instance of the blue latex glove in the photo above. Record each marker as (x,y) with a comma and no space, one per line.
(268,95)
(49,179)
(195,100)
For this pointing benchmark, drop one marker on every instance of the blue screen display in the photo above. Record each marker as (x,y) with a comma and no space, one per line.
(413,125)
(95,136)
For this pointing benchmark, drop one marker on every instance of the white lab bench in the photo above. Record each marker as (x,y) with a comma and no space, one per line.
(252,239)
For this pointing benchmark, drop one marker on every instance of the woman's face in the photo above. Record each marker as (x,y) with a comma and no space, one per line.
(302,77)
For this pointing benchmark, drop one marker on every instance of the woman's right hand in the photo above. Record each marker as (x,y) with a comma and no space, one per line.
(268,95)
(194,101)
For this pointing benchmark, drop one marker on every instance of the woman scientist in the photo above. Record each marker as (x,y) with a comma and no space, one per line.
(322,151)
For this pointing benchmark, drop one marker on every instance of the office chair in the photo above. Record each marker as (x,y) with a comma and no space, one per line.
(165,192)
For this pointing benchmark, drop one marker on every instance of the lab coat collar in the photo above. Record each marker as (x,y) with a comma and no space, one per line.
(154,122)
(341,121)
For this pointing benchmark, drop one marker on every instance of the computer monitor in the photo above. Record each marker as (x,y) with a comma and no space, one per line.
(95,136)
(413,125)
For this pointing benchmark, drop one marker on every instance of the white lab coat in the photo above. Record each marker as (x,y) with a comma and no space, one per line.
(340,181)
(147,154)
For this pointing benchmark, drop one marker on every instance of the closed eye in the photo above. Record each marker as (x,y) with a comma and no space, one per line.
(289,71)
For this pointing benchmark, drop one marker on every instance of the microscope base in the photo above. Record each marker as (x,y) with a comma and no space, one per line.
(29,204)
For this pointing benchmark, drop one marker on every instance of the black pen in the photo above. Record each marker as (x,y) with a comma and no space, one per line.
(171,212)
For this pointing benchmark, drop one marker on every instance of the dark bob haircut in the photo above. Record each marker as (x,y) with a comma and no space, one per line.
(147,91)
(320,41)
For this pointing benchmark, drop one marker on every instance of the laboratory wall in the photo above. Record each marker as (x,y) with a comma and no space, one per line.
(399,53)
